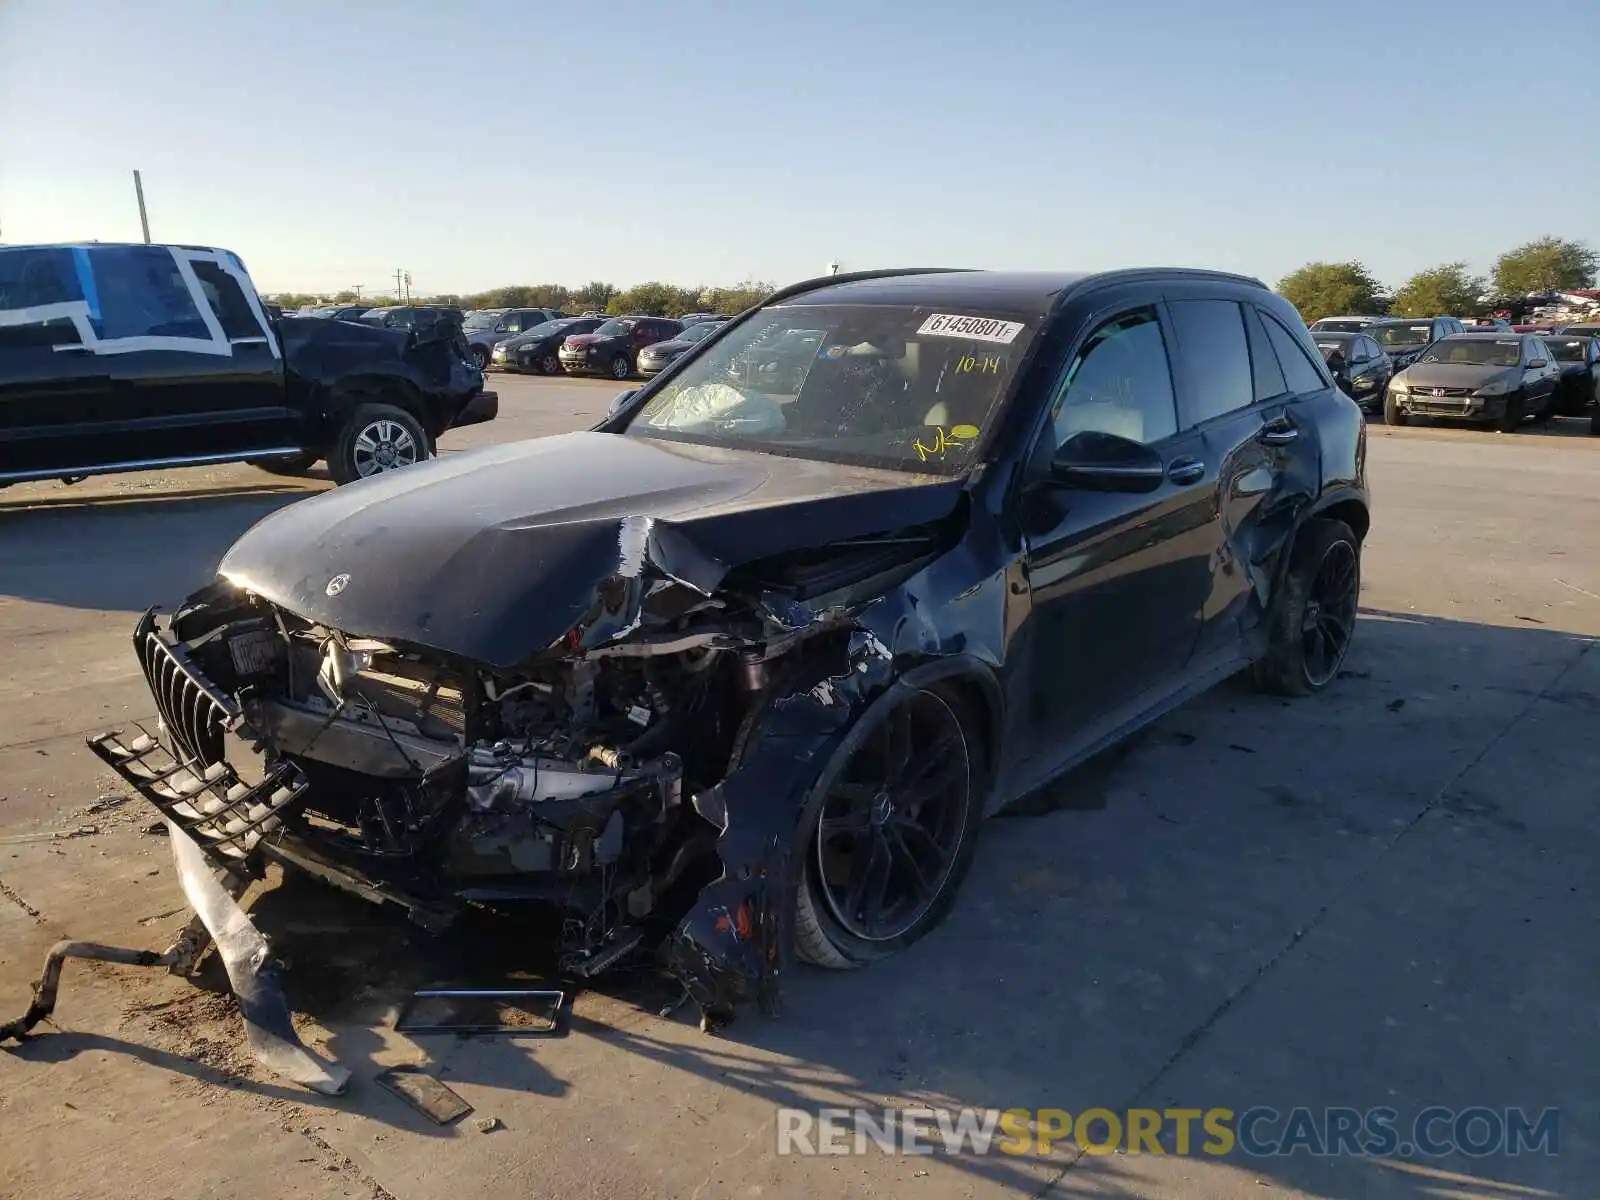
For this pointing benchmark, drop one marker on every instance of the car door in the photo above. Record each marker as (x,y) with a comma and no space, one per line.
(1116,579)
(54,391)
(1369,376)
(1241,391)
(1544,377)
(196,372)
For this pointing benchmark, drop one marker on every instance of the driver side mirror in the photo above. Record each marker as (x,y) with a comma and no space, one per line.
(1103,462)
(621,402)
(1537,363)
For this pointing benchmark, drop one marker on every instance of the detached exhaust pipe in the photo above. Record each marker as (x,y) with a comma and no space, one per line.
(245,955)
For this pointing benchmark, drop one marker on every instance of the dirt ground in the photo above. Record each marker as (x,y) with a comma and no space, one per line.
(1384,895)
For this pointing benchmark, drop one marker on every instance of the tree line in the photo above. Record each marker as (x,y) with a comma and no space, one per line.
(1546,264)
(653,299)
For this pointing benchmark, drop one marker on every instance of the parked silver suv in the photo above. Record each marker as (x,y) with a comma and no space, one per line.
(486,326)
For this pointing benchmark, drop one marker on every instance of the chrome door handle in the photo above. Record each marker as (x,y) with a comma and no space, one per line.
(1280,434)
(1185,470)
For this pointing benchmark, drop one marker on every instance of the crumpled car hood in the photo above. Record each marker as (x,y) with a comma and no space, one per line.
(495,554)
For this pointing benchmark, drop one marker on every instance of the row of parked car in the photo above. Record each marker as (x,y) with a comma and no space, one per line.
(1485,372)
(545,341)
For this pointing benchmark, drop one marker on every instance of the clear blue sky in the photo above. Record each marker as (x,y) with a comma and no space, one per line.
(330,141)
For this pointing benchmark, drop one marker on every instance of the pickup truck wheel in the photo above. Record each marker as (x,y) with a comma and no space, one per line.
(291,464)
(377,438)
(480,357)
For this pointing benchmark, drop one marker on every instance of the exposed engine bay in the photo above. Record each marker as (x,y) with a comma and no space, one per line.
(591,779)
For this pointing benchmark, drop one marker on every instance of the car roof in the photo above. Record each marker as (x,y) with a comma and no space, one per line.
(1482,335)
(1036,292)
(1330,335)
(1405,320)
(1350,317)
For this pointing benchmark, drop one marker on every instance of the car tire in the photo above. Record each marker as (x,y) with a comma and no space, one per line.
(550,365)
(289,464)
(829,929)
(358,451)
(1511,419)
(621,368)
(1393,414)
(1594,425)
(1325,558)
(480,357)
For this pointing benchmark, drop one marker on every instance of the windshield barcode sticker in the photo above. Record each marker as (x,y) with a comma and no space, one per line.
(978,329)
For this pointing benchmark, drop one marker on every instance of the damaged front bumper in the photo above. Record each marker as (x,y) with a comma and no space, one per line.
(728,947)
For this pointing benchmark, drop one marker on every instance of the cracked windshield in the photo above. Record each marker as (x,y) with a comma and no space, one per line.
(899,387)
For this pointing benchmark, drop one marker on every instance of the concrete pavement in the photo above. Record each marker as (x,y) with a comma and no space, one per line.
(1382,896)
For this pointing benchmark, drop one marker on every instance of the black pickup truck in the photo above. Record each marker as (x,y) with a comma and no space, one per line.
(130,357)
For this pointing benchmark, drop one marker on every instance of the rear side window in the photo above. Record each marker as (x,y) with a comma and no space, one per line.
(34,277)
(1216,358)
(227,300)
(1263,361)
(1296,363)
(141,293)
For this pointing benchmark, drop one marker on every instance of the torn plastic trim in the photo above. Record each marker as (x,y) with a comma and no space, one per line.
(732,946)
(245,955)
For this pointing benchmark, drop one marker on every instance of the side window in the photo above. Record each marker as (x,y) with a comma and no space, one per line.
(227,300)
(1263,362)
(511,322)
(1372,350)
(1120,383)
(32,278)
(139,292)
(1216,357)
(1292,357)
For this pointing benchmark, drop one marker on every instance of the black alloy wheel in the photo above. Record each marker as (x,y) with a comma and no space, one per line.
(891,836)
(550,364)
(1313,616)
(480,357)
(1329,619)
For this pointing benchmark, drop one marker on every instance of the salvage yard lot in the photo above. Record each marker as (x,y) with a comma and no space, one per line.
(1382,896)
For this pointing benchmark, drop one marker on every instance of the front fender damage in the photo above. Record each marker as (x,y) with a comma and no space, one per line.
(732,947)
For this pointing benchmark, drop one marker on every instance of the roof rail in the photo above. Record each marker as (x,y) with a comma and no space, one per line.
(822,281)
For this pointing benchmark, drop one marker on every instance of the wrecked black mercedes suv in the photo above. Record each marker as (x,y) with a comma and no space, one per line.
(738,672)
(129,357)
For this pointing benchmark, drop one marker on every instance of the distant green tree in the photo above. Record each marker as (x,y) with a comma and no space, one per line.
(651,299)
(1447,290)
(289,301)
(1547,264)
(736,299)
(593,295)
(1323,289)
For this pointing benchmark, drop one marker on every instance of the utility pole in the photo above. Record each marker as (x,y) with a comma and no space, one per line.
(408,287)
(144,220)
(397,273)
(356,288)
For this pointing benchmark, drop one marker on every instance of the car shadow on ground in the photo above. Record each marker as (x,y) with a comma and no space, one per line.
(1153,940)
(125,552)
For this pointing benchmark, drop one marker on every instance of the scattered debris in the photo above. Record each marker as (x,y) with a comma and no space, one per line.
(1530,620)
(245,955)
(105,804)
(1240,749)
(489,1124)
(80,831)
(425,1094)
(1395,705)
(11,895)
(156,829)
(481,1010)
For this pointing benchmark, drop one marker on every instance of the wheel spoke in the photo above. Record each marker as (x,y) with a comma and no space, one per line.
(910,831)
(365,443)
(856,897)
(903,853)
(851,825)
